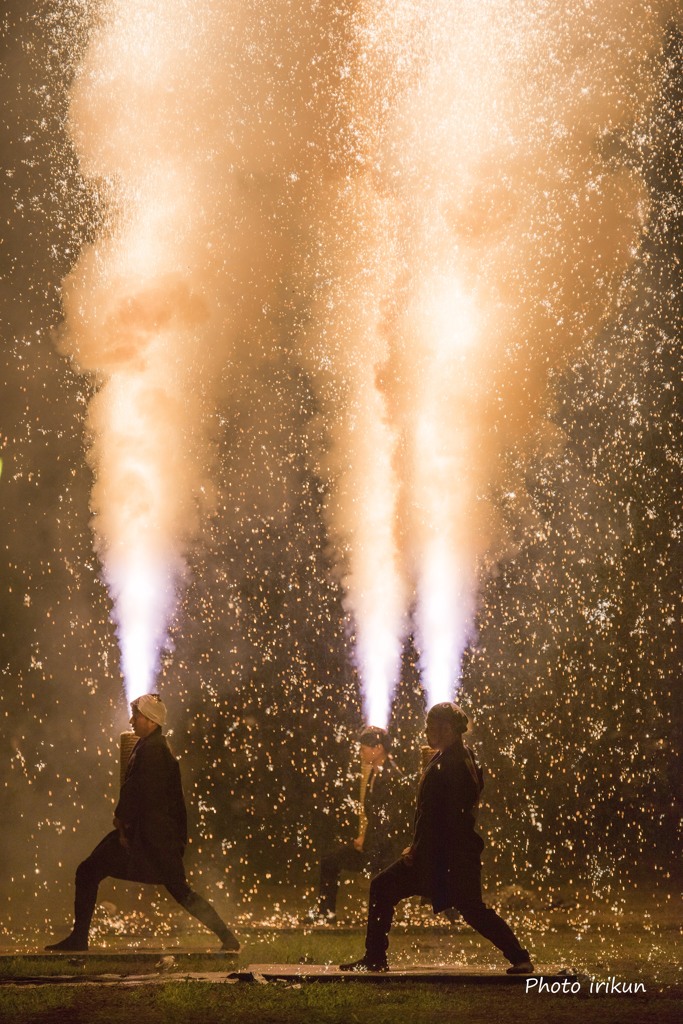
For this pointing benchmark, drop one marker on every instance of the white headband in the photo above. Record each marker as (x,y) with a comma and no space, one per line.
(151,706)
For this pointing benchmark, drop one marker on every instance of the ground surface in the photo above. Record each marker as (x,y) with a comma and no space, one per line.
(611,942)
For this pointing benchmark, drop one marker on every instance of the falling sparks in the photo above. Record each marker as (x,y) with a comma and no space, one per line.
(463,289)
(373,322)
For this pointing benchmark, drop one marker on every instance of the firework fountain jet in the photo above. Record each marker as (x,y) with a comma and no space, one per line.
(136,319)
(142,577)
(485,129)
(440,184)
(443,320)
(141,437)
(361,463)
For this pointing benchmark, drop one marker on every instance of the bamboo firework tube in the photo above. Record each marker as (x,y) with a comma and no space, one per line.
(426,754)
(365,770)
(127,741)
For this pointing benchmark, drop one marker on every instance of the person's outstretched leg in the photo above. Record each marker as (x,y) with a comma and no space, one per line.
(492,927)
(344,858)
(484,920)
(387,889)
(204,912)
(107,859)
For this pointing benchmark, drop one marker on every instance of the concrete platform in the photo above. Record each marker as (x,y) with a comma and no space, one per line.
(418,972)
(295,974)
(426,927)
(141,954)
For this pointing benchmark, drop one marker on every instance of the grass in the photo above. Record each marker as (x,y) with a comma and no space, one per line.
(635,944)
(329,1003)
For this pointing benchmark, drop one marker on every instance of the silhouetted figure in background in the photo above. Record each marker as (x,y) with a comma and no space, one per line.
(443,862)
(378,845)
(150,833)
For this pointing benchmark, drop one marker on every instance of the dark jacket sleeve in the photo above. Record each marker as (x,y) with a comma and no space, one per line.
(151,807)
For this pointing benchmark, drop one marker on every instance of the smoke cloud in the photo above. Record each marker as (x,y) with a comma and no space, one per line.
(516,222)
(441,192)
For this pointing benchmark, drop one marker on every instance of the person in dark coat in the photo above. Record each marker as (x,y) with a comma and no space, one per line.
(383,836)
(443,862)
(149,836)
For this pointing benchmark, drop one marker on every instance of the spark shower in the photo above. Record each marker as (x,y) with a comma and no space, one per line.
(436,184)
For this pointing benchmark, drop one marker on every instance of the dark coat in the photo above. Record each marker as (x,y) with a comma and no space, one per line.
(445,847)
(151,810)
(384,807)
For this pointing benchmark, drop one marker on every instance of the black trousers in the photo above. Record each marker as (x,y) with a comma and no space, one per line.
(110,860)
(344,857)
(401,880)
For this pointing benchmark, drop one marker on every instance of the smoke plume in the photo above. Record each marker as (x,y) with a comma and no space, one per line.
(444,193)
